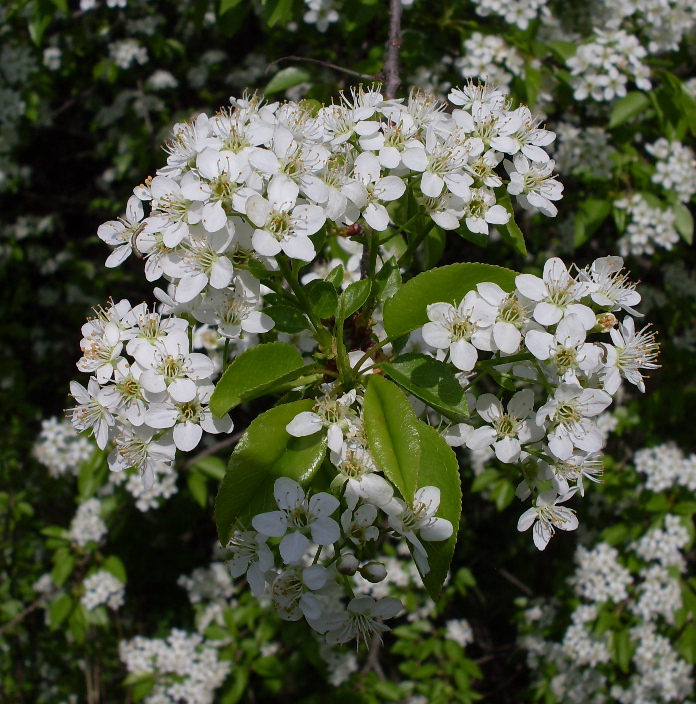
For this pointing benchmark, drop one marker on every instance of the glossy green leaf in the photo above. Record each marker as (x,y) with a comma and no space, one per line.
(434,246)
(353,298)
(254,373)
(335,276)
(91,475)
(265,452)
(287,318)
(512,235)
(430,380)
(629,106)
(392,433)
(622,648)
(406,310)
(323,297)
(387,280)
(439,467)
(287,78)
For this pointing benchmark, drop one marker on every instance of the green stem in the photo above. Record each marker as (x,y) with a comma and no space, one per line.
(405,258)
(376,348)
(322,333)
(225,353)
(401,229)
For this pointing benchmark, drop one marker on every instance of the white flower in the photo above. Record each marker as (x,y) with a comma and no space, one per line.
(357,471)
(546,516)
(533,184)
(419,518)
(135,447)
(358,525)
(120,233)
(569,410)
(612,288)
(329,413)
(481,210)
(189,418)
(507,431)
(301,516)
(369,188)
(250,554)
(282,225)
(460,330)
(556,294)
(363,618)
(513,316)
(567,350)
(632,352)
(92,411)
(292,593)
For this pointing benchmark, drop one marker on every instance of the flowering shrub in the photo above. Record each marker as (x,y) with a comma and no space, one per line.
(319,310)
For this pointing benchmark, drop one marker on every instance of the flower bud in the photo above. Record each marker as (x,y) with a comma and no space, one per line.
(348,564)
(373,572)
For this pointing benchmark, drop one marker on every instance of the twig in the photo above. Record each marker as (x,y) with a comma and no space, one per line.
(511,578)
(325,64)
(391,62)
(231,440)
(372,662)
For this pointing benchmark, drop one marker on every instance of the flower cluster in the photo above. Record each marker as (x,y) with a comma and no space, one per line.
(102,587)
(87,525)
(602,67)
(650,596)
(185,666)
(665,466)
(59,449)
(544,326)
(518,12)
(583,151)
(675,169)
(151,405)
(488,57)
(647,228)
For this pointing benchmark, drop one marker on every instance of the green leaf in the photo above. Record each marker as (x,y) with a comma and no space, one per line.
(484,480)
(287,78)
(510,231)
(254,373)
(629,106)
(335,276)
(439,467)
(91,474)
(686,645)
(323,297)
(265,452)
(287,318)
(432,381)
(114,565)
(59,609)
(434,246)
(532,84)
(64,564)
(407,309)
(562,50)
(685,508)
(591,214)
(211,466)
(503,493)
(622,649)
(278,12)
(143,687)
(388,280)
(226,5)
(683,222)
(354,297)
(392,433)
(198,486)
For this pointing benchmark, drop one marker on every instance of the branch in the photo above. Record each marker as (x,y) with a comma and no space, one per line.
(325,64)
(391,62)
